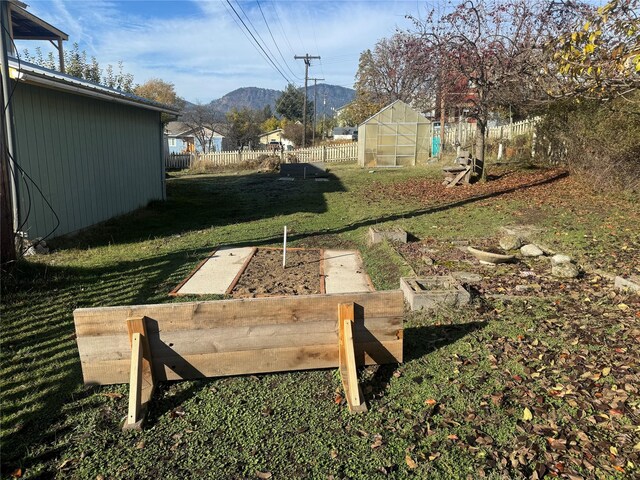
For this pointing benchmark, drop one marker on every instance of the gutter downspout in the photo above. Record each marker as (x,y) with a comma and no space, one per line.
(8,113)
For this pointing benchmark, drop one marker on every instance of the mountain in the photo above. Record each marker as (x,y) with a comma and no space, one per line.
(329,97)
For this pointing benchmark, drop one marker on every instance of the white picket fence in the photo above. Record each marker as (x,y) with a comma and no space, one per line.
(465,132)
(174,161)
(328,154)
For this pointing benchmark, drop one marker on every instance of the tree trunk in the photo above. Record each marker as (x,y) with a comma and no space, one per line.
(442,119)
(481,128)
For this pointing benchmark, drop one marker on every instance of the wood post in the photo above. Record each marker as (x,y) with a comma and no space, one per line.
(142,382)
(347,359)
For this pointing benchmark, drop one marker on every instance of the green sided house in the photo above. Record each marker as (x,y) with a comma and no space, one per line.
(79,153)
(93,152)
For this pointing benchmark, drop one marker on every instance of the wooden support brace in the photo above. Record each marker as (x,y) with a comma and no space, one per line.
(457,179)
(141,383)
(347,359)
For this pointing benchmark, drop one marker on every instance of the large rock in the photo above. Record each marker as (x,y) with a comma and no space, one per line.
(559,258)
(510,242)
(531,250)
(565,270)
(627,285)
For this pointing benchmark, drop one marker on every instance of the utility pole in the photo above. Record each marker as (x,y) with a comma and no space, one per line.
(307,63)
(324,114)
(315,102)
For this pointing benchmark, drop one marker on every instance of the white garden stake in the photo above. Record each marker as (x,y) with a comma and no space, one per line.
(284,249)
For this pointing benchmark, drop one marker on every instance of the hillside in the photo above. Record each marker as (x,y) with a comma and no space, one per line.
(329,97)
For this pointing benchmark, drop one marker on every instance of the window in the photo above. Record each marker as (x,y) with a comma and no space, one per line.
(172,142)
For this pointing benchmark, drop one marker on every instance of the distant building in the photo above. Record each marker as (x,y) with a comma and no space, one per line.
(345,133)
(275,136)
(182,139)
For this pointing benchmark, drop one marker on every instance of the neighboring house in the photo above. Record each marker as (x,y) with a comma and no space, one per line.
(182,139)
(93,152)
(275,136)
(345,133)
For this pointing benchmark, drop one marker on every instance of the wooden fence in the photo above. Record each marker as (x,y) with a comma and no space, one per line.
(464,133)
(180,161)
(328,154)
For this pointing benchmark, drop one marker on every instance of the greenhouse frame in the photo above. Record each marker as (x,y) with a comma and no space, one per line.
(396,136)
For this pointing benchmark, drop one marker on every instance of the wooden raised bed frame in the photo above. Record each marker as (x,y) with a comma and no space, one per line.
(144,344)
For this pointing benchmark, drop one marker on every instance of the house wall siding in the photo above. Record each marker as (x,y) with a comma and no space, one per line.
(92,159)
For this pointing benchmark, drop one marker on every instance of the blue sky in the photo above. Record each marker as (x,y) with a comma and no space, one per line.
(199,47)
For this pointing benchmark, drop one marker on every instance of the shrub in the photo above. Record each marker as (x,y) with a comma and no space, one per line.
(598,141)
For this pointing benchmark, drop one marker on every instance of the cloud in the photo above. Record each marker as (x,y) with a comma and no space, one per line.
(202,50)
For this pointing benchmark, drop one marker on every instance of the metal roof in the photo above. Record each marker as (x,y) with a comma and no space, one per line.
(29,73)
(26,26)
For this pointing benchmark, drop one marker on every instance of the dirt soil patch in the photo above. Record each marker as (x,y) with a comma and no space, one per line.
(264,275)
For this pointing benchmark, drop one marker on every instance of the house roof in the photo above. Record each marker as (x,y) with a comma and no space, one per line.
(180,129)
(22,71)
(271,132)
(26,26)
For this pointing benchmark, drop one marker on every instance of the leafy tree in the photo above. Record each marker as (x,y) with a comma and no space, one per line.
(394,71)
(290,104)
(495,47)
(270,124)
(204,122)
(243,128)
(77,65)
(600,57)
(294,132)
(159,91)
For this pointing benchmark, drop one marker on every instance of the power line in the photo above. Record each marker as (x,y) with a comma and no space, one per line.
(284,34)
(271,55)
(276,43)
(243,31)
(258,43)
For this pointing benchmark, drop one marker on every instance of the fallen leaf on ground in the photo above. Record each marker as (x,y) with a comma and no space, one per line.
(264,475)
(112,395)
(527,415)
(410,462)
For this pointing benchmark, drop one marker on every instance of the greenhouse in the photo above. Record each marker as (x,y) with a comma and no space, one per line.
(395,136)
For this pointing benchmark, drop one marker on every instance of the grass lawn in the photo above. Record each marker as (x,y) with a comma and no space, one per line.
(520,386)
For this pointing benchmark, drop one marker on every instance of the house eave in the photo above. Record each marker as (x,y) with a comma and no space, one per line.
(35,75)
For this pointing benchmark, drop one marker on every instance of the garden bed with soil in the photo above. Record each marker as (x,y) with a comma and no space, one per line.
(265,276)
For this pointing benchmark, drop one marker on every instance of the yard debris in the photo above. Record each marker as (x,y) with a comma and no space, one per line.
(36,247)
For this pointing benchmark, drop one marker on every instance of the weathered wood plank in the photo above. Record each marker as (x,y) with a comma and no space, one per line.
(347,359)
(235,313)
(137,326)
(105,347)
(189,367)
(135,383)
